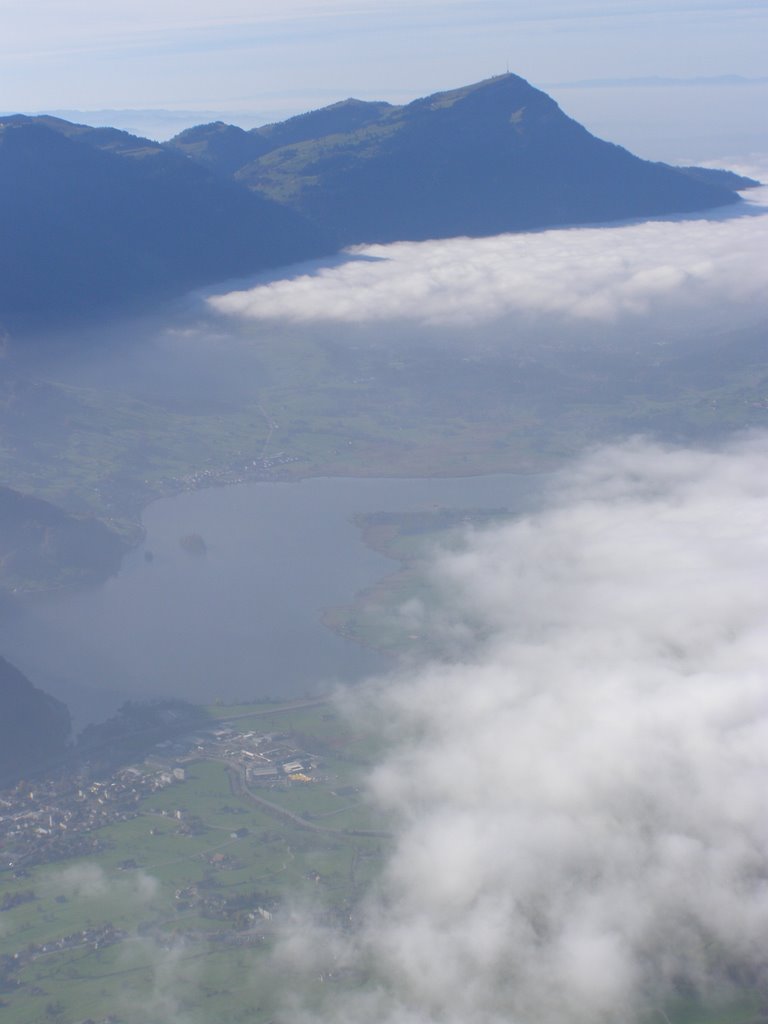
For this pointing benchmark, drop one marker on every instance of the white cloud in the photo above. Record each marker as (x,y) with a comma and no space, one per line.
(90,881)
(582,274)
(583,818)
(173,979)
(83,880)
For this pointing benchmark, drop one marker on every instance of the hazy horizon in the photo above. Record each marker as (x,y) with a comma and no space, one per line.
(270,61)
(681,122)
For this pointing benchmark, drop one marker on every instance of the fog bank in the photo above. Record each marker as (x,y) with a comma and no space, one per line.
(580,796)
(589,274)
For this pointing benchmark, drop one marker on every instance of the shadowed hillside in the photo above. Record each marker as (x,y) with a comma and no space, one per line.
(34,727)
(492,157)
(41,546)
(95,219)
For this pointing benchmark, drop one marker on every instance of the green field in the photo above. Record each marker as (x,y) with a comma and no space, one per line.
(187,906)
(398,614)
(177,915)
(332,406)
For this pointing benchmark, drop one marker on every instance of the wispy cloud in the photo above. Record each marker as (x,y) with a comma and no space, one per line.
(174,982)
(657,81)
(169,23)
(90,881)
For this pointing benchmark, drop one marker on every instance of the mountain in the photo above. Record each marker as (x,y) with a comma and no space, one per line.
(95,219)
(227,148)
(492,157)
(34,727)
(715,176)
(41,546)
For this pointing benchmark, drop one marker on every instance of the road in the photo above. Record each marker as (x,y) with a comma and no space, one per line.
(240,788)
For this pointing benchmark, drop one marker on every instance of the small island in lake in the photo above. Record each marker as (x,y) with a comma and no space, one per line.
(194,544)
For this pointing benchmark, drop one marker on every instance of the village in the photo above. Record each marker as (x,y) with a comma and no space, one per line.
(56,818)
(196,848)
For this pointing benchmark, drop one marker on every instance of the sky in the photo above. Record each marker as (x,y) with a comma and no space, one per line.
(265,60)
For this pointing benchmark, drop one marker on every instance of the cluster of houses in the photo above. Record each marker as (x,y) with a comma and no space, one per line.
(94,938)
(267,759)
(88,938)
(251,469)
(52,819)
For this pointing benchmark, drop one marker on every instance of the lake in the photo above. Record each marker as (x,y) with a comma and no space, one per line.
(241,621)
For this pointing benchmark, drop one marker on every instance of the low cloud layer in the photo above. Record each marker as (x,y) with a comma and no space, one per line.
(582,274)
(581,796)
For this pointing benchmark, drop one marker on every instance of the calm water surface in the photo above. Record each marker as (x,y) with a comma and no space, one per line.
(243,620)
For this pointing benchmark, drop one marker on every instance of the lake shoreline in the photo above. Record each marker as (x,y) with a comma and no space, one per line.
(244,620)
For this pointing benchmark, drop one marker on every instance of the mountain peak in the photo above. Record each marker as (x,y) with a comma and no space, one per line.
(507,84)
(493,156)
(121,219)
